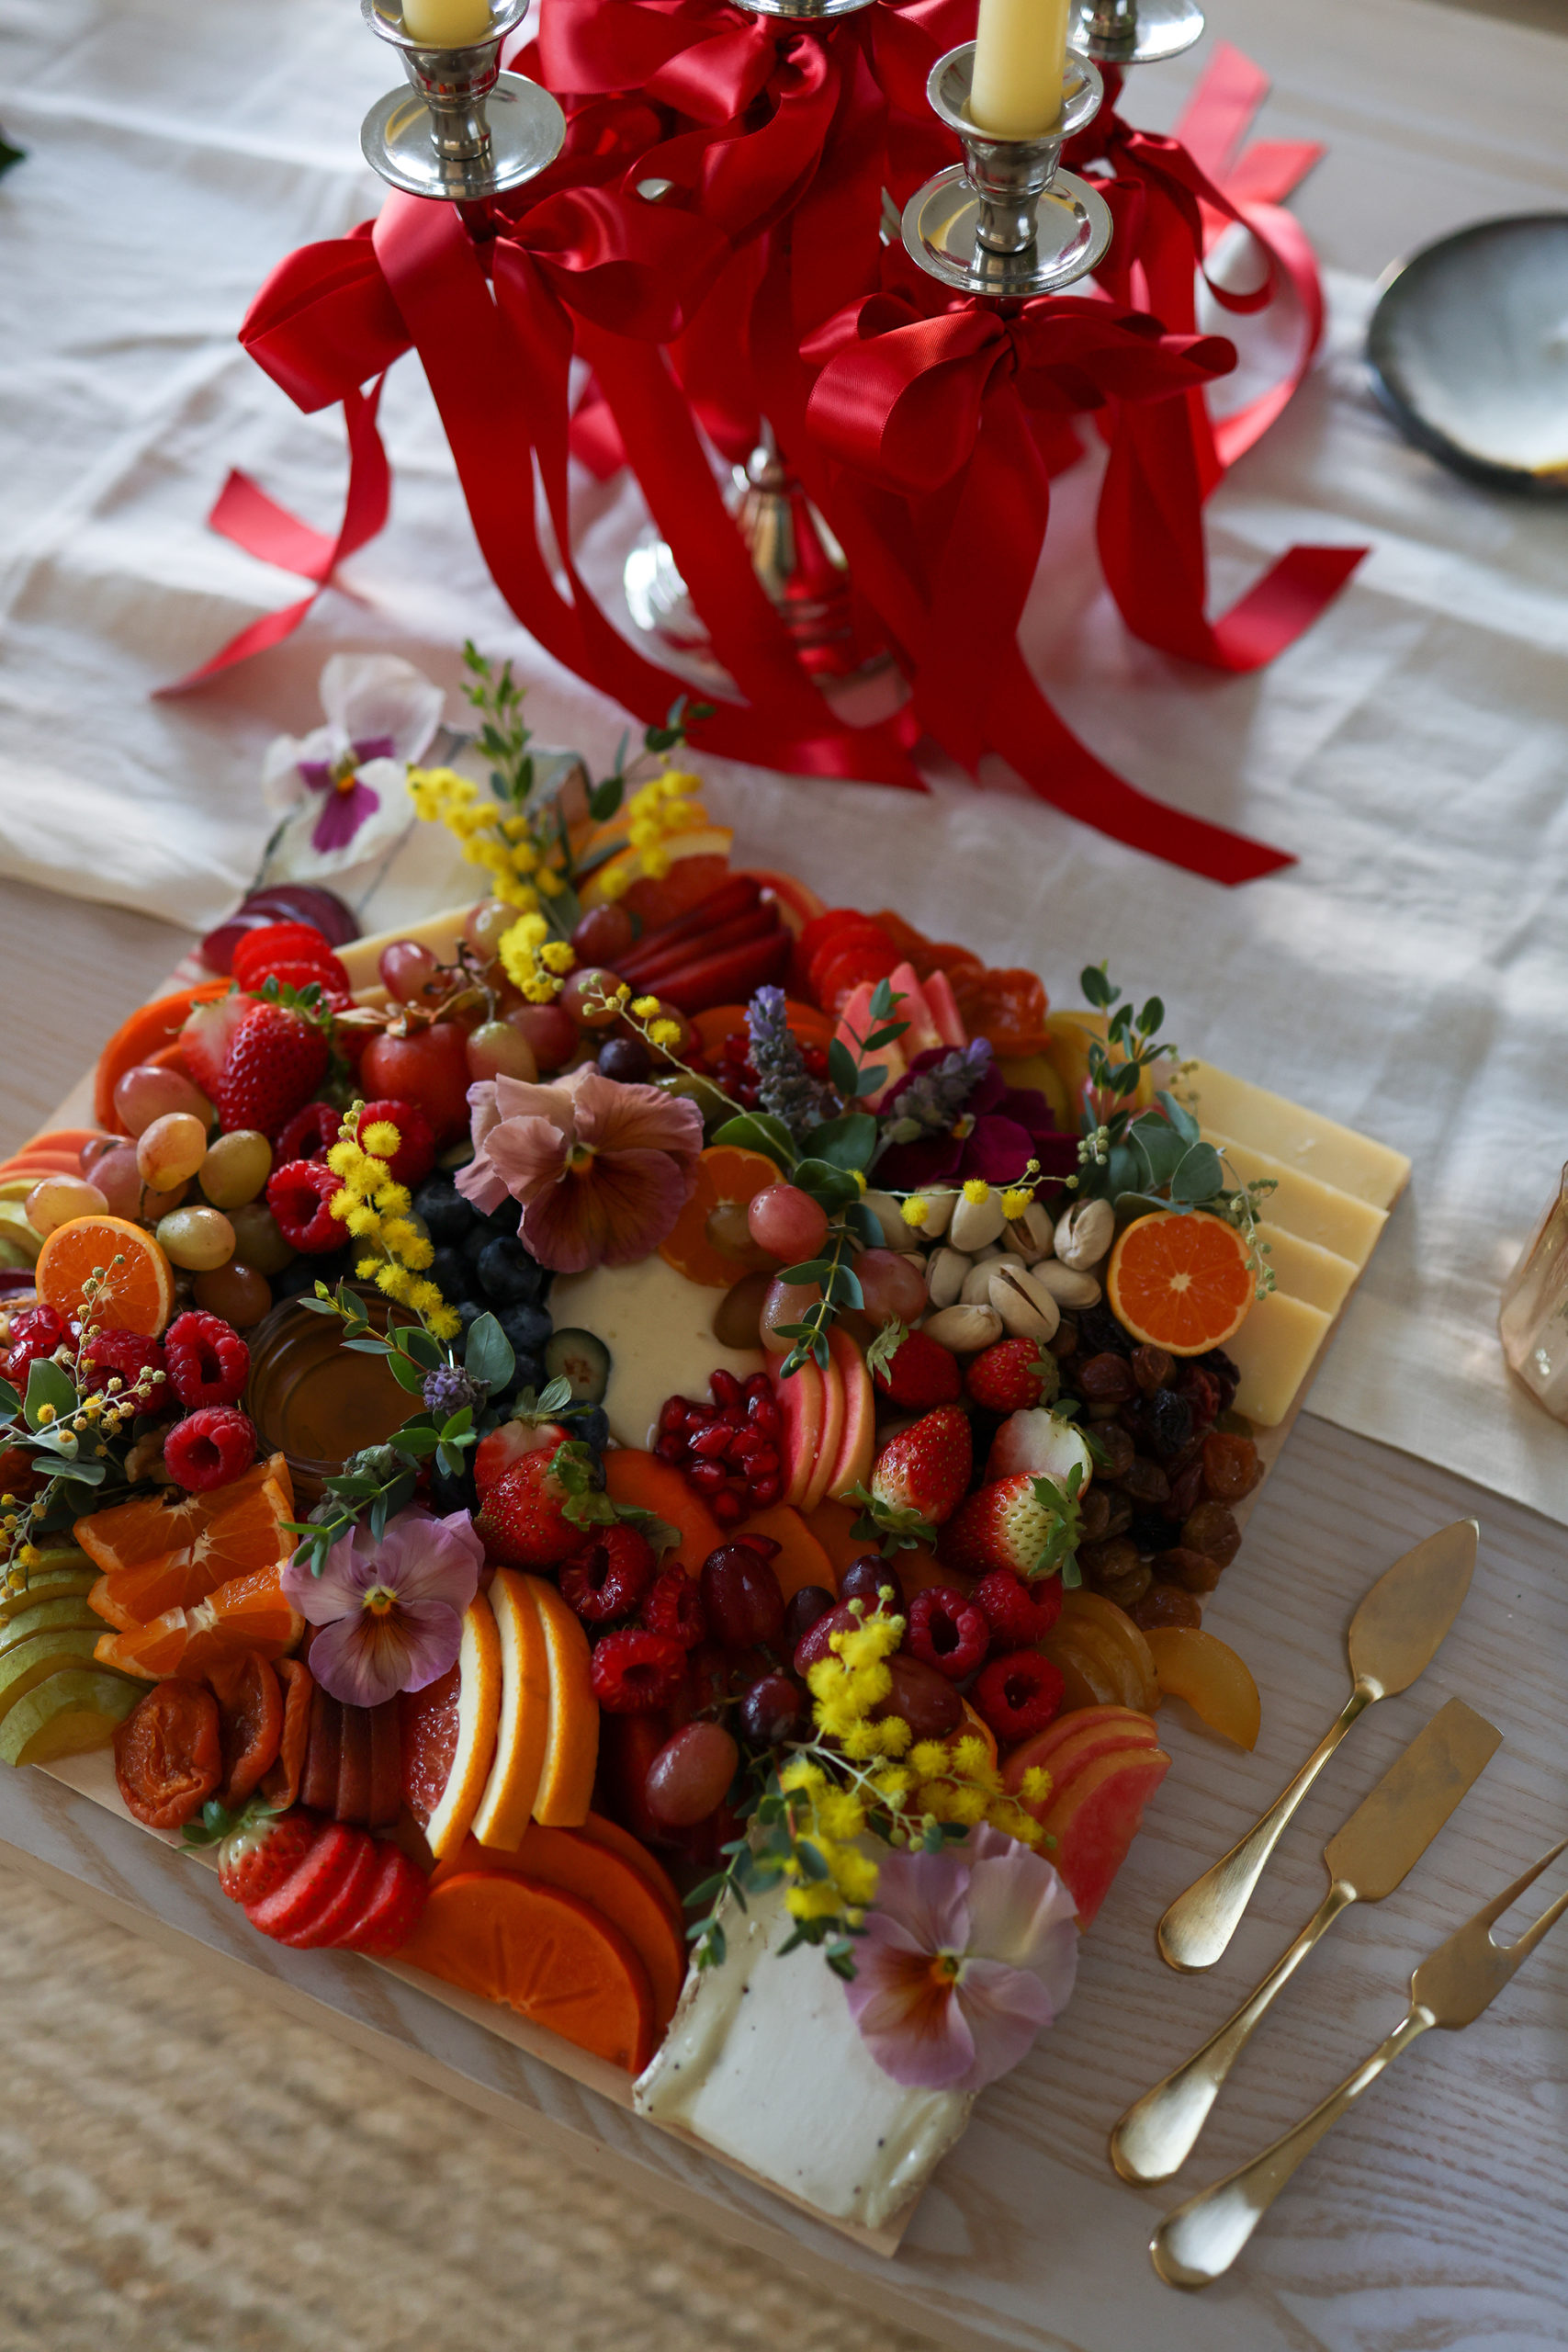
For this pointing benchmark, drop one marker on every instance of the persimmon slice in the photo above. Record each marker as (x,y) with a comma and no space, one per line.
(727,1178)
(1181,1282)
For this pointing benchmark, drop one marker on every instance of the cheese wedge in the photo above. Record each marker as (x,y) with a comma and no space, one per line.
(1302,1269)
(1313,1146)
(1301,1205)
(1274,1350)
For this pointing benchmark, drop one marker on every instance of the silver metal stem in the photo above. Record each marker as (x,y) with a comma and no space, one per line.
(464,130)
(801,12)
(1135,33)
(1008,221)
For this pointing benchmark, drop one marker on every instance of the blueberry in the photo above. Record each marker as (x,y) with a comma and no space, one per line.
(476,1241)
(527,1328)
(452,1274)
(302,1273)
(470,1309)
(528,1372)
(506,1218)
(507,1274)
(447,1215)
(591,1423)
(452,1493)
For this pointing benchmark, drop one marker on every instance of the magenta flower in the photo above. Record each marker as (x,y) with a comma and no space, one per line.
(999,1131)
(968,1954)
(390,1614)
(603,1169)
(381,713)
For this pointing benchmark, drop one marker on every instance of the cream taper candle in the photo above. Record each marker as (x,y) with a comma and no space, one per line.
(1019,49)
(447,24)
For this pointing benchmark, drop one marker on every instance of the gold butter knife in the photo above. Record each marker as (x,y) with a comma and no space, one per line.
(1373,1853)
(1200,2241)
(1394,1636)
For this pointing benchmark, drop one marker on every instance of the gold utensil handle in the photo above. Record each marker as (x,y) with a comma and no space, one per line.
(1159,2133)
(1199,2242)
(1200,1923)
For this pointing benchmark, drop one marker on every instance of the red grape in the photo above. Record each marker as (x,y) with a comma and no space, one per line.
(742,1596)
(925,1699)
(406,968)
(787,1222)
(893,1282)
(863,1580)
(580,998)
(771,1710)
(602,935)
(691,1774)
(551,1033)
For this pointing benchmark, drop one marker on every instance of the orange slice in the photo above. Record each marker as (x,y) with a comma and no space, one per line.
(477,1718)
(507,1804)
(180,1554)
(725,1178)
(249,1613)
(571,1741)
(1177,1283)
(138,1292)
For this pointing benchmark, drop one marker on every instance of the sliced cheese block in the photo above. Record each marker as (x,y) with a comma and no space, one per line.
(1314,1146)
(1312,1211)
(1274,1350)
(1302,1269)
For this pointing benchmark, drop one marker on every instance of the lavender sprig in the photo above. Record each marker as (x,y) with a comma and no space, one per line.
(785,1087)
(935,1099)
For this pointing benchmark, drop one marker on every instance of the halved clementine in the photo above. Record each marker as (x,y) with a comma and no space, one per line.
(1181,1282)
(137,1290)
(157,1556)
(726,1180)
(249,1613)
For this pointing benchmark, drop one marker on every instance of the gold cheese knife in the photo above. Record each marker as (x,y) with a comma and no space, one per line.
(1373,1853)
(1393,1637)
(1200,2241)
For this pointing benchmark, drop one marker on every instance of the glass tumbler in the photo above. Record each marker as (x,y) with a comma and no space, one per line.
(1533,1319)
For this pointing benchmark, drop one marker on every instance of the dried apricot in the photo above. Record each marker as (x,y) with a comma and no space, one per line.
(168,1755)
(1212,1529)
(250,1710)
(1166,1604)
(1231,1467)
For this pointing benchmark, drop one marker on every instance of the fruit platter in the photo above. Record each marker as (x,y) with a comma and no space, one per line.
(645,1452)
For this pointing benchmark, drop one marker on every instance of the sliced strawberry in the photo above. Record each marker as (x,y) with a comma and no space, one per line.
(495,1454)
(645,966)
(262,1850)
(346,1903)
(733,897)
(309,1887)
(204,1039)
(821,928)
(330,979)
(865,930)
(731,976)
(391,1908)
(261,950)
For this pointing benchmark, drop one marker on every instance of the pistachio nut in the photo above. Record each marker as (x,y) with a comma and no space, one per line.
(976,1222)
(889,1215)
(965,1329)
(1030,1234)
(1084,1233)
(1066,1285)
(939,1212)
(1021,1299)
(946,1273)
(977,1290)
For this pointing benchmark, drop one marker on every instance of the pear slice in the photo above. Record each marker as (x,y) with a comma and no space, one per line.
(48,1584)
(66,1714)
(62,1614)
(30,1663)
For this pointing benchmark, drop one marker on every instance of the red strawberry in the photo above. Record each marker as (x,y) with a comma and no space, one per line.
(1009,1377)
(919,1374)
(276,1062)
(496,1453)
(1024,1523)
(922,1473)
(522,1519)
(262,1850)
(207,1036)
(342,1913)
(391,1909)
(311,1886)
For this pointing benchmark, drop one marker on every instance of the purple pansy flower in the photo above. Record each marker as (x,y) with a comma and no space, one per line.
(390,1614)
(999,1131)
(381,715)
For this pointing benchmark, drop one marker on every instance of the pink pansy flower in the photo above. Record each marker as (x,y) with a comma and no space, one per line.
(390,1614)
(968,1954)
(381,714)
(603,1169)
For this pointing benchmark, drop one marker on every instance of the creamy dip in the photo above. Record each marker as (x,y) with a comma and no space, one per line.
(659,1330)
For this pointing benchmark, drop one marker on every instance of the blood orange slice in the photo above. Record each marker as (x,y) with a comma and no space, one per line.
(1179,1283)
(449,1733)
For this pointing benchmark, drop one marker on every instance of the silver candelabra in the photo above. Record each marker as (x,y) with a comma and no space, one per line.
(1135,33)
(463,130)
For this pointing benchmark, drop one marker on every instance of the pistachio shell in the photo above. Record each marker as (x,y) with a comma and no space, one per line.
(938,1214)
(945,1273)
(977,1290)
(965,1329)
(1084,1233)
(1025,1304)
(976,1222)
(1066,1285)
(889,1215)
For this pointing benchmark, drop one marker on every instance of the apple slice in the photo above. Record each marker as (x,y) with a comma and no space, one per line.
(802,1402)
(852,1465)
(856,1021)
(507,1805)
(1075,1755)
(830,1437)
(1042,1747)
(1096,1819)
(943,1009)
(571,1732)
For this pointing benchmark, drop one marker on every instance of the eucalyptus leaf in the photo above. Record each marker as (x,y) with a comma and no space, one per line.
(1200,1176)
(10,1403)
(368,1347)
(407,1374)
(1180,1118)
(759,1131)
(863,1223)
(1159,1146)
(414,1341)
(488,1354)
(48,1383)
(842,1069)
(831,1188)
(846,1143)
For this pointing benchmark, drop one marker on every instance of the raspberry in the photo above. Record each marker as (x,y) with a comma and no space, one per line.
(1019,1615)
(635,1673)
(209,1448)
(36,1332)
(609,1576)
(209,1362)
(674,1606)
(123,1356)
(919,1374)
(415,1155)
(297,1194)
(1005,1377)
(1017,1695)
(310,1135)
(946,1632)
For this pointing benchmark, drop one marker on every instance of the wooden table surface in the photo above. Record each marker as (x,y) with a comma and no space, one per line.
(1437,2214)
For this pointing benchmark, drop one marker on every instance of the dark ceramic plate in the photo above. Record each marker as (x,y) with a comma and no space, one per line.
(1469,351)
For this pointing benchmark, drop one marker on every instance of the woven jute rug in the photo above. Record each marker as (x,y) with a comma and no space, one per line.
(186,2171)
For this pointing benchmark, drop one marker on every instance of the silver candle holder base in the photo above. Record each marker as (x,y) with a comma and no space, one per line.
(802,12)
(1008,221)
(1135,33)
(464,130)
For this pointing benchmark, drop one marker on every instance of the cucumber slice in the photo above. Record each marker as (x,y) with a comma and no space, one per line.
(578,1357)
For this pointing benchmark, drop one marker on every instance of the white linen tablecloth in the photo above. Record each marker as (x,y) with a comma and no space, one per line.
(1409,975)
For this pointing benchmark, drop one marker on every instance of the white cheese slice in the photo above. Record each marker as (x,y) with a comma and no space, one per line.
(1274,1350)
(1316,1146)
(764,2063)
(659,1330)
(1302,1204)
(1304,1271)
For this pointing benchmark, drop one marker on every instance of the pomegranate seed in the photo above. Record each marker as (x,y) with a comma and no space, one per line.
(766,1460)
(764,1415)
(765,1491)
(711,1442)
(747,1444)
(758,1384)
(726,1387)
(708,1476)
(727,1507)
(672,1414)
(671,1448)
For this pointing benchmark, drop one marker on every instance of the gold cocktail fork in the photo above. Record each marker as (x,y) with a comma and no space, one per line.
(1199,2242)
